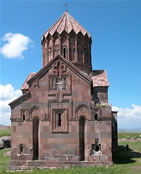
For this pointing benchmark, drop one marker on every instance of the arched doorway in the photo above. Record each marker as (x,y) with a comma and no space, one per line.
(35,138)
(82,138)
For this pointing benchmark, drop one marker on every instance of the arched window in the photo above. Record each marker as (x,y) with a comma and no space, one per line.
(21,148)
(23,112)
(64,51)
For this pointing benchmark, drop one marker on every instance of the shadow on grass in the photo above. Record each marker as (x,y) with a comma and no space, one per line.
(122,156)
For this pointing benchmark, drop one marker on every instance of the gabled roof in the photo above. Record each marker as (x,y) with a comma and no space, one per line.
(99,78)
(66,23)
(20,100)
(33,76)
(73,68)
(25,85)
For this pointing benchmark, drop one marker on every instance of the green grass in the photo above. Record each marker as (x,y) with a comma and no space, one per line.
(125,162)
(128,135)
(4,160)
(132,145)
(5,132)
(131,156)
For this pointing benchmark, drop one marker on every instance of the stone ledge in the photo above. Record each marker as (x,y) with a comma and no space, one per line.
(42,164)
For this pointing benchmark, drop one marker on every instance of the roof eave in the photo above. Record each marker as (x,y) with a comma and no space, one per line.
(19,100)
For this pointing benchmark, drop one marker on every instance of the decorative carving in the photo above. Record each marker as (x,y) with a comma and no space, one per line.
(59,95)
(60,105)
(59,68)
(82,110)
(36,111)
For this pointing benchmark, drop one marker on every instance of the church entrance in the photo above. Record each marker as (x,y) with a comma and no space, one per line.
(82,138)
(35,138)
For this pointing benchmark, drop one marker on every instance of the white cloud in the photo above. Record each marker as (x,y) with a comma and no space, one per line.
(129,118)
(7,94)
(15,45)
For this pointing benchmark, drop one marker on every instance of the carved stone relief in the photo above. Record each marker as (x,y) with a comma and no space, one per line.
(37,111)
(82,110)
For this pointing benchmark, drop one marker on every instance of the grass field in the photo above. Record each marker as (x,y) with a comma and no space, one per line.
(125,162)
(129,135)
(4,132)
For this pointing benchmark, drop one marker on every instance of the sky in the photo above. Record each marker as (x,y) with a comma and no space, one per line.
(115,27)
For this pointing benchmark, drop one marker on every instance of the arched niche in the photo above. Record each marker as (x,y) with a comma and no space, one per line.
(50,49)
(50,44)
(82,110)
(64,37)
(56,46)
(72,46)
(80,47)
(36,111)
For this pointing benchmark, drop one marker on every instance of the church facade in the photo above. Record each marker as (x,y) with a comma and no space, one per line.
(63,118)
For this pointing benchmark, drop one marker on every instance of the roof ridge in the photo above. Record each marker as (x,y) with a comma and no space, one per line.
(72,25)
(65,22)
(80,26)
(52,26)
(61,21)
(68,23)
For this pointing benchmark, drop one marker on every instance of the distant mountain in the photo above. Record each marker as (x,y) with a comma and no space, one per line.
(4,126)
(129,130)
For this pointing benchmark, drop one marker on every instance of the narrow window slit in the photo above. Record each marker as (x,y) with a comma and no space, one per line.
(23,117)
(59,119)
(64,52)
(95,116)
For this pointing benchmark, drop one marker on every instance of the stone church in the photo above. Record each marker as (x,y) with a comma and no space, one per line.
(63,118)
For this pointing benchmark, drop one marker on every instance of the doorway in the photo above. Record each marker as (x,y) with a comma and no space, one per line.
(35,138)
(82,138)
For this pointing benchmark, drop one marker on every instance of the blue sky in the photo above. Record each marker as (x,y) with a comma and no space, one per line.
(115,27)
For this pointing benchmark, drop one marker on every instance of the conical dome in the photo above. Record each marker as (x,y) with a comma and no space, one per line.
(66,23)
(70,40)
